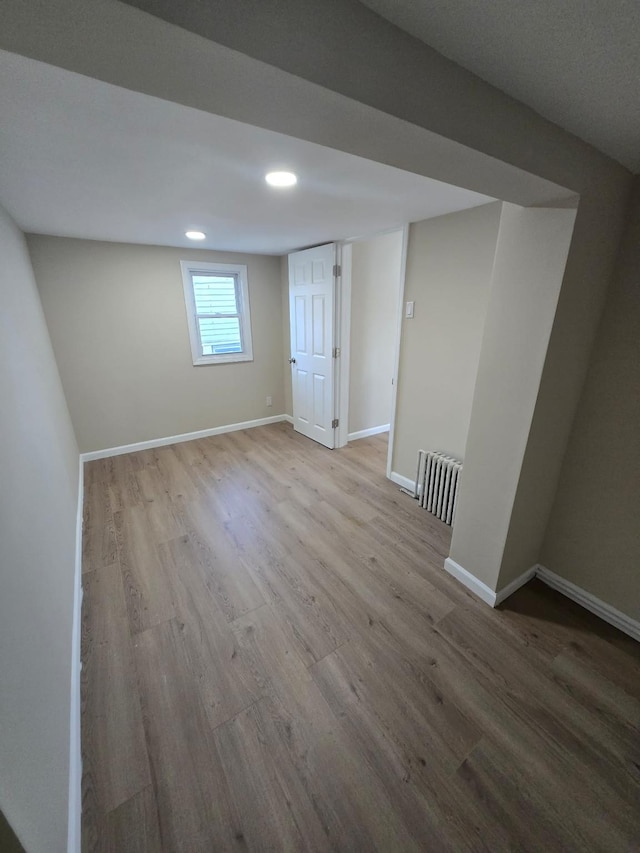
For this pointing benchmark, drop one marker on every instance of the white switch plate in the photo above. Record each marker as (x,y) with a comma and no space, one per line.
(409,310)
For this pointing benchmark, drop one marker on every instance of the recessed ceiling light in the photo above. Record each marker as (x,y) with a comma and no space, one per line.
(195,235)
(281,179)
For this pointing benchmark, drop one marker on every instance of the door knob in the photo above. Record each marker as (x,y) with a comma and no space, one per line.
(292,361)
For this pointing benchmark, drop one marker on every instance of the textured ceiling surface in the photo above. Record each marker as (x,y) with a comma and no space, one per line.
(576,62)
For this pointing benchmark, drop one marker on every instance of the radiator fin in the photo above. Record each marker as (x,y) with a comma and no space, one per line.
(437,483)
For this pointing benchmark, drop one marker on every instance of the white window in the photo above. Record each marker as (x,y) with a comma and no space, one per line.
(217,300)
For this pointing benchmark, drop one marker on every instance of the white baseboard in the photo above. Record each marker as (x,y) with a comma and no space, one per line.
(570,590)
(186,436)
(515,585)
(75,748)
(590,602)
(365,433)
(400,480)
(470,581)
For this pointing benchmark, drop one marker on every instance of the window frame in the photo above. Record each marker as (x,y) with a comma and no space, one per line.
(239,271)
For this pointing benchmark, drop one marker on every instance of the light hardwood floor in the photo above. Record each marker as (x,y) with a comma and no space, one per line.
(274,659)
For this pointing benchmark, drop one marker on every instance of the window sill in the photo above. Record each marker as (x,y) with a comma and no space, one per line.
(232,358)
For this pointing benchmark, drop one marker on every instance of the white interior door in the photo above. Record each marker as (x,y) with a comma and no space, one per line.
(311,312)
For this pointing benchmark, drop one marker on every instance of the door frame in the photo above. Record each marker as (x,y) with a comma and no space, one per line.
(342,334)
(396,355)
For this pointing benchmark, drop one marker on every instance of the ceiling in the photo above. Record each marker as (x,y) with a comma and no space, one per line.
(82,158)
(576,62)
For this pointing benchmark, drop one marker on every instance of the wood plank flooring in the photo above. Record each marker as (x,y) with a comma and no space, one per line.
(274,659)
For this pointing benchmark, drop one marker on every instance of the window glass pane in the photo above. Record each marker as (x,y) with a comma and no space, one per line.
(214,294)
(220,335)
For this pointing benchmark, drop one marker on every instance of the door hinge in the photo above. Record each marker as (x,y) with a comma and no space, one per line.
(336,352)
(337,270)
(335,423)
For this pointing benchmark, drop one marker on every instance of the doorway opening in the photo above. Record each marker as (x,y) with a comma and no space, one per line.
(344,327)
(371,303)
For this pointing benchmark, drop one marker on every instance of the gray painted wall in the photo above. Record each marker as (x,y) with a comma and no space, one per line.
(118,324)
(593,536)
(38,509)
(448,275)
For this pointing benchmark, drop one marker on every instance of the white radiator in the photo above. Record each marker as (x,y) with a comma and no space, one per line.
(437,481)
